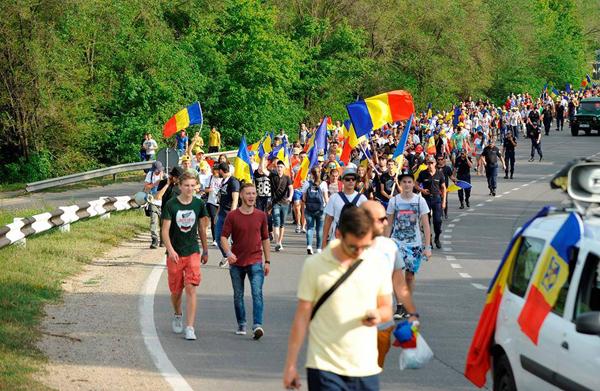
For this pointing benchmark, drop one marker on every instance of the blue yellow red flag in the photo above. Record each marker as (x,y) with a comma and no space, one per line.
(191,115)
(550,276)
(376,111)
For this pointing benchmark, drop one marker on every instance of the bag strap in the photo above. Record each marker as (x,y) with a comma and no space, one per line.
(343,197)
(355,200)
(332,289)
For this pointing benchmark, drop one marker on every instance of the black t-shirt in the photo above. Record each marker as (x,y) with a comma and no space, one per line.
(447,171)
(491,153)
(547,116)
(262,183)
(560,111)
(387,181)
(172,190)
(509,147)
(228,187)
(279,187)
(462,167)
(534,116)
(433,183)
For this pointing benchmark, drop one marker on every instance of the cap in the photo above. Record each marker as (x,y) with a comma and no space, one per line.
(176,171)
(430,158)
(349,171)
(185,158)
(404,173)
(157,166)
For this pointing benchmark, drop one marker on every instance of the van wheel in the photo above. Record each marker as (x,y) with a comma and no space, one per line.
(503,375)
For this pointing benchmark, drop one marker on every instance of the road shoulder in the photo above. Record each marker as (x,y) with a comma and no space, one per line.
(92,339)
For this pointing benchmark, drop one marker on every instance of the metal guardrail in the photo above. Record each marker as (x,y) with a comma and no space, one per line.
(84,176)
(62,217)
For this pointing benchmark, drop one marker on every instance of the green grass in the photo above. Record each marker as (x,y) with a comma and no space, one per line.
(31,277)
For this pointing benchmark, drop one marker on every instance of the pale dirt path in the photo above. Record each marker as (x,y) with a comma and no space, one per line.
(92,339)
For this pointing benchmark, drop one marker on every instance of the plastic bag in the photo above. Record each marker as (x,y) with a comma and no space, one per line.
(417,357)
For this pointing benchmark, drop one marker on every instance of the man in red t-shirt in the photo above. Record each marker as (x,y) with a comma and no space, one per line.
(249,233)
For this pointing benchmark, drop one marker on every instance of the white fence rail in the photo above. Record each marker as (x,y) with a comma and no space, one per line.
(61,218)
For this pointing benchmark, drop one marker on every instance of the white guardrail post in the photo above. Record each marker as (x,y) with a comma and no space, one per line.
(61,218)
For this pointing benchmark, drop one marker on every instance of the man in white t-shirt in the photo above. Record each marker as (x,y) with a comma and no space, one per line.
(406,213)
(153,178)
(150,146)
(337,201)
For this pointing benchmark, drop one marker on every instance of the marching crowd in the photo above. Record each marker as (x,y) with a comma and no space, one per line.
(369,219)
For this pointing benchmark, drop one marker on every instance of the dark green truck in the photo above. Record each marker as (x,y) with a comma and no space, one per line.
(587,117)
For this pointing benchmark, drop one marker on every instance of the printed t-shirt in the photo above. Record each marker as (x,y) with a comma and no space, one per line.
(228,187)
(337,340)
(262,183)
(407,213)
(184,224)
(247,233)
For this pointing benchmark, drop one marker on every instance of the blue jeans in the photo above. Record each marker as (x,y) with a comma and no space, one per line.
(491,172)
(219,229)
(319,380)
(279,214)
(256,276)
(314,222)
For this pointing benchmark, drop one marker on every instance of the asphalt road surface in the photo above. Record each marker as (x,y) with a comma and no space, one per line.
(450,289)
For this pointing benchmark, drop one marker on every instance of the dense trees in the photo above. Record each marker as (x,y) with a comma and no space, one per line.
(82,80)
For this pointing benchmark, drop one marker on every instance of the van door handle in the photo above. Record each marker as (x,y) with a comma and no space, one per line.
(565,345)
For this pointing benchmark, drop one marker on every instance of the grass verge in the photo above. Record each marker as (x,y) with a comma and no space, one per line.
(32,276)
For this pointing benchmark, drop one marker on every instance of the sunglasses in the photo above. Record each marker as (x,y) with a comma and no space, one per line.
(349,179)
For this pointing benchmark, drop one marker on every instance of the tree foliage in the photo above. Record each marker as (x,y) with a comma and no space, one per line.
(82,80)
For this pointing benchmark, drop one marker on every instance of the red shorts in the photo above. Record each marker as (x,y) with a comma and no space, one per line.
(184,272)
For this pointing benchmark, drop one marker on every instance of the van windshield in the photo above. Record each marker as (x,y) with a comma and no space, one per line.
(593,107)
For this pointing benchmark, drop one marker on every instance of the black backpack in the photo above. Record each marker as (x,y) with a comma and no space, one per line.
(347,203)
(314,199)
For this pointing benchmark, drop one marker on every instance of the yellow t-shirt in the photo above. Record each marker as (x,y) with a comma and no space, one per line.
(214,139)
(337,340)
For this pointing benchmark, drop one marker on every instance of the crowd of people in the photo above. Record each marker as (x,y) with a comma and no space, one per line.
(368,212)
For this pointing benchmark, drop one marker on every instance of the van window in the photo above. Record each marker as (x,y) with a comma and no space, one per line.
(529,253)
(561,300)
(588,295)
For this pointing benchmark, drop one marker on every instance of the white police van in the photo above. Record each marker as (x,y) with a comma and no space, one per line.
(567,356)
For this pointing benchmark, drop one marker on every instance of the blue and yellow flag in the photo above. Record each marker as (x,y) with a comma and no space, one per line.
(242,164)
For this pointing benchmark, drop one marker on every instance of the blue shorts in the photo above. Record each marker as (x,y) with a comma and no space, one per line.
(328,381)
(279,214)
(297,196)
(409,257)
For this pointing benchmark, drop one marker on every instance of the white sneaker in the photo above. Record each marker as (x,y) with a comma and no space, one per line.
(190,335)
(257,333)
(319,251)
(223,263)
(309,250)
(214,243)
(298,229)
(241,330)
(177,324)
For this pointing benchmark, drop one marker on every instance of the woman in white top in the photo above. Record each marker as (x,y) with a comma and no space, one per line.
(212,202)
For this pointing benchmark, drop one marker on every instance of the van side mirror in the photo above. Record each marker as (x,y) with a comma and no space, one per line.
(588,323)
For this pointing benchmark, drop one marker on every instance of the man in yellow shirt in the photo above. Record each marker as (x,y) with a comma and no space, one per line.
(214,140)
(342,340)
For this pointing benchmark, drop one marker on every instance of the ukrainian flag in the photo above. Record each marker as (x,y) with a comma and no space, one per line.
(242,164)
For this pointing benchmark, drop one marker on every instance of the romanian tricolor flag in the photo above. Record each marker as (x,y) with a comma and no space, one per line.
(191,115)
(351,134)
(374,112)
(431,145)
(307,164)
(242,164)
(478,357)
(551,275)
(398,155)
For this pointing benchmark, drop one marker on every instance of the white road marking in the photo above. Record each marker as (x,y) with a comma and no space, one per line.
(455,220)
(506,192)
(447,236)
(516,188)
(448,249)
(450,226)
(478,205)
(499,196)
(479,286)
(525,184)
(446,242)
(448,230)
(159,357)
(450,258)
(465,275)
(455,266)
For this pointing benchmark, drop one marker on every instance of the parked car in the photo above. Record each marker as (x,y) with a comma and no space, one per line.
(587,117)
(567,355)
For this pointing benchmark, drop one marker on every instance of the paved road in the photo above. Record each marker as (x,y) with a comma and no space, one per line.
(450,289)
